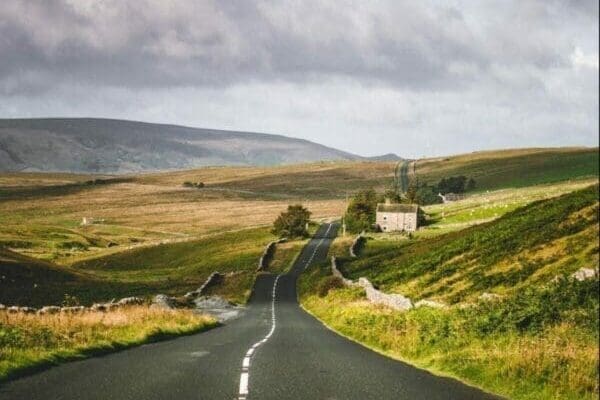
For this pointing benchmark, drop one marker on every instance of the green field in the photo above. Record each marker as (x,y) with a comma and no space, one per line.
(537,340)
(172,268)
(513,168)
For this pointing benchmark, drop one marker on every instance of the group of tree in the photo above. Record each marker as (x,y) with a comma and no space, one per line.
(292,223)
(362,209)
(456,184)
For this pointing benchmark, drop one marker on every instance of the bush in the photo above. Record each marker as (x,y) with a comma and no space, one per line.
(198,185)
(292,223)
(328,283)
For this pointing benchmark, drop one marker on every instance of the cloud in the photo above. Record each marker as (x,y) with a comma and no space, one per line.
(429,70)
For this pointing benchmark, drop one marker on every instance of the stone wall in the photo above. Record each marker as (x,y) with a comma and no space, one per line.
(395,301)
(356,243)
(375,296)
(267,256)
(97,307)
(337,273)
(212,280)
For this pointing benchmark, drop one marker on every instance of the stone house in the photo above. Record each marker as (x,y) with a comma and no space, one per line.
(397,217)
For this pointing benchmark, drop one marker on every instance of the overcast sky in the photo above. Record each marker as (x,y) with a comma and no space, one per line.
(371,77)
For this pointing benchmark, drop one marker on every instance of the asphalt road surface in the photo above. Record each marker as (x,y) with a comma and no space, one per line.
(275,350)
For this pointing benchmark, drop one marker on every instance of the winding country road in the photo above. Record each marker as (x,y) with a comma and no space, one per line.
(275,350)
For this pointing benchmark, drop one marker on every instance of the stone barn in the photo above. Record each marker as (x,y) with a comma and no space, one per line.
(397,217)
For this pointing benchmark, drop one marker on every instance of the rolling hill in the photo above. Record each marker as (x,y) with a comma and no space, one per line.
(118,146)
(504,311)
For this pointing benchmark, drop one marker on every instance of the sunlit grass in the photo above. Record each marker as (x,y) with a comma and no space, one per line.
(29,341)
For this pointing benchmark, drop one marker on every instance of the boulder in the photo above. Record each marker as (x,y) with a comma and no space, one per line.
(365,283)
(102,307)
(489,296)
(130,301)
(164,301)
(212,302)
(49,310)
(583,274)
(72,309)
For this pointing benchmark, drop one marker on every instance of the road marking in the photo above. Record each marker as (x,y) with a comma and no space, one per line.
(245,375)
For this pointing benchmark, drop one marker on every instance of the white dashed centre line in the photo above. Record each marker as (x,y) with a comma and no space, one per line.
(245,375)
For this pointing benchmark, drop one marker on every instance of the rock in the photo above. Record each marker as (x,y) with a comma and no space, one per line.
(24,310)
(429,303)
(365,283)
(583,274)
(99,307)
(489,296)
(130,301)
(212,302)
(49,310)
(164,301)
(72,309)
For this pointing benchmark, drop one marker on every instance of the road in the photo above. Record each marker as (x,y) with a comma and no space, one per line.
(275,350)
(402,171)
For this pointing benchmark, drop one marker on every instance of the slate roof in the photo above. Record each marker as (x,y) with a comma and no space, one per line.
(397,208)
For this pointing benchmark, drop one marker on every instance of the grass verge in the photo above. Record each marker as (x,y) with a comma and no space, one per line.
(30,342)
(522,352)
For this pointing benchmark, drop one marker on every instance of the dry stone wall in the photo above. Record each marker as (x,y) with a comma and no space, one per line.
(265,259)
(375,296)
(356,243)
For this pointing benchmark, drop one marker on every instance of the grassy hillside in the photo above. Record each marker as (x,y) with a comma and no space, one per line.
(41,214)
(527,246)
(538,339)
(45,220)
(513,168)
(172,268)
(116,146)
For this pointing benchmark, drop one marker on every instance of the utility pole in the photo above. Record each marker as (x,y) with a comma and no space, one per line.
(344,217)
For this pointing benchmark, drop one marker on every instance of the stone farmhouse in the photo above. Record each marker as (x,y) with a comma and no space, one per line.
(397,217)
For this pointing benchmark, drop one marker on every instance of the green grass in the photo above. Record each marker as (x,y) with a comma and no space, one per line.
(556,361)
(29,343)
(513,168)
(529,245)
(538,340)
(172,268)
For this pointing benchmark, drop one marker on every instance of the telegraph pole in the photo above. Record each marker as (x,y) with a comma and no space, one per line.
(344,217)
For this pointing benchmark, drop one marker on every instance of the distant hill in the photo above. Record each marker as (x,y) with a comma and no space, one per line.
(117,146)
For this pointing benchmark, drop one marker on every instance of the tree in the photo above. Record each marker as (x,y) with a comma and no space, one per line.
(453,184)
(411,192)
(471,184)
(361,211)
(292,223)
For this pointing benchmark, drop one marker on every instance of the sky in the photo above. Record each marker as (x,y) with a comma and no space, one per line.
(416,78)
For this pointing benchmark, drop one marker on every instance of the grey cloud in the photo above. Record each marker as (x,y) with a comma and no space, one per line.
(221,43)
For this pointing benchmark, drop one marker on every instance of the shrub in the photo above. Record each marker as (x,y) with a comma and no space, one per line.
(328,283)
(292,223)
